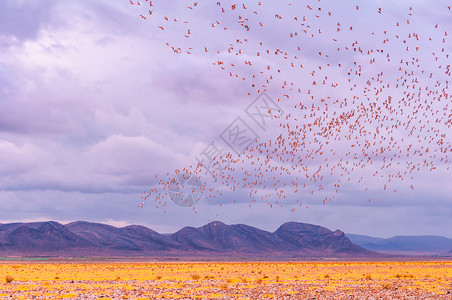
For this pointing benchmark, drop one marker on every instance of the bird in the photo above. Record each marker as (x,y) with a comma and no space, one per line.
(388,125)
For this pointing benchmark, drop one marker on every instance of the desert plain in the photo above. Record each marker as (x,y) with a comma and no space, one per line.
(225,280)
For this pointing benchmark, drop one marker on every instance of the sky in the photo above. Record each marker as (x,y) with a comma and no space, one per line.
(94,103)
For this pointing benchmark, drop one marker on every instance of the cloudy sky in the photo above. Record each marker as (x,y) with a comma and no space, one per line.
(94,103)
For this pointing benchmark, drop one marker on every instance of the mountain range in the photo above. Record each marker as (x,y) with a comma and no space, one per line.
(215,239)
(405,245)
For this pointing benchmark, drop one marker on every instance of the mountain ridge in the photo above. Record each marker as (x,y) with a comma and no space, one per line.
(402,244)
(81,238)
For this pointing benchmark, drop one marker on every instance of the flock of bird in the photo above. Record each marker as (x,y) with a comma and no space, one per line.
(366,96)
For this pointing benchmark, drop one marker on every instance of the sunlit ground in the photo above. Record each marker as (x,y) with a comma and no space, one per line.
(304,280)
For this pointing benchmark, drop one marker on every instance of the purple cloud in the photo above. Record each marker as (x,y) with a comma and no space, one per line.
(93,104)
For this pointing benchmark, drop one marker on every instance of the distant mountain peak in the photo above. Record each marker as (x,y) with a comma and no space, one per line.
(405,245)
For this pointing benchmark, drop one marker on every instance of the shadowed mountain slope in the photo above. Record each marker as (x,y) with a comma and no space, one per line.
(214,239)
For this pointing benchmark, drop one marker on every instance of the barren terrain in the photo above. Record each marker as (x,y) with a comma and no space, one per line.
(207,280)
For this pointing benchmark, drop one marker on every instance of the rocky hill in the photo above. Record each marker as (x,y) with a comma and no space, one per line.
(215,239)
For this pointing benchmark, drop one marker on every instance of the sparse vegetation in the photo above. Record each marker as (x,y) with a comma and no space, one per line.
(407,276)
(432,279)
(387,286)
(195,276)
(9,279)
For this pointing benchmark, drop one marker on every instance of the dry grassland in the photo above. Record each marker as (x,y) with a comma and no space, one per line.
(146,280)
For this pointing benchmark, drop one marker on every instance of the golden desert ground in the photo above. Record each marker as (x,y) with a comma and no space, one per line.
(226,280)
